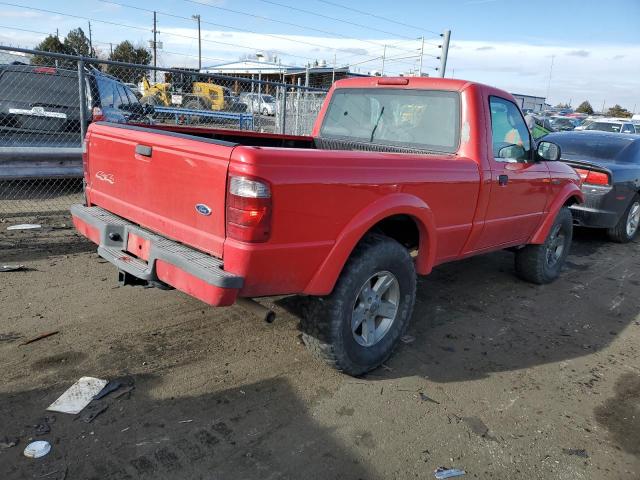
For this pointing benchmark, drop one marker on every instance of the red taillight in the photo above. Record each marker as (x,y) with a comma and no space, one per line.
(97,114)
(248,209)
(593,178)
(47,70)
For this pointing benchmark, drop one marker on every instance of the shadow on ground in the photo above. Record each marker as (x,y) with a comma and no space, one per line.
(474,318)
(257,431)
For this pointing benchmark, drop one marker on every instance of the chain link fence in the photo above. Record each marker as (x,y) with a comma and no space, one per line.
(48,100)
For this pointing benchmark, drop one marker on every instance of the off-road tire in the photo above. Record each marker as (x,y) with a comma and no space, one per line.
(326,324)
(619,232)
(532,262)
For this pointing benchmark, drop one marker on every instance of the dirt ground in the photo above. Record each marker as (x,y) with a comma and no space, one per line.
(504,379)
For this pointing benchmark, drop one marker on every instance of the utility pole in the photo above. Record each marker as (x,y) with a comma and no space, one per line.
(550,71)
(90,42)
(384,54)
(445,52)
(197,18)
(57,34)
(155,47)
(111,48)
(421,55)
(603,102)
(333,74)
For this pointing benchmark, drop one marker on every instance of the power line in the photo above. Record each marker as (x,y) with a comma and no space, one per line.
(332,18)
(420,29)
(282,22)
(246,47)
(207,22)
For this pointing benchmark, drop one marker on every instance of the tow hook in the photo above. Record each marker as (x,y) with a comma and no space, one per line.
(260,311)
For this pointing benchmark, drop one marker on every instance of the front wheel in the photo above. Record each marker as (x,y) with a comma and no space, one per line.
(542,263)
(629,223)
(357,326)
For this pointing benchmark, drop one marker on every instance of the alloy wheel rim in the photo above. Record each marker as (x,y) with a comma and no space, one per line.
(375,308)
(555,246)
(633,219)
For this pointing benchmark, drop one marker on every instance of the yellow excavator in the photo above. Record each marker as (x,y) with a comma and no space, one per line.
(201,96)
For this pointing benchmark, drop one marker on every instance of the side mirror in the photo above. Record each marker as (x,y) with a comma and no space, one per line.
(548,151)
(514,152)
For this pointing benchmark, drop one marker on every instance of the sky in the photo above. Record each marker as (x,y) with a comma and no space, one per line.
(566,50)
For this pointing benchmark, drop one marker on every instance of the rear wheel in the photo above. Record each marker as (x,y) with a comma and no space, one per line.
(629,223)
(357,326)
(542,263)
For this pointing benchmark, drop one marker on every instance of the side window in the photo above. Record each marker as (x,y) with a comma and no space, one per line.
(106,93)
(511,142)
(132,96)
(117,98)
(628,128)
(123,95)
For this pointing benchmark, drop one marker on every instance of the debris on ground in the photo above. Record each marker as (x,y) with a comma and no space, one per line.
(42,428)
(37,449)
(446,472)
(40,337)
(478,427)
(578,452)
(8,442)
(78,396)
(11,268)
(407,339)
(112,386)
(92,411)
(24,226)
(426,398)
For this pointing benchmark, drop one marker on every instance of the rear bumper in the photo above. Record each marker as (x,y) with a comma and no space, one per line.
(191,271)
(40,162)
(600,208)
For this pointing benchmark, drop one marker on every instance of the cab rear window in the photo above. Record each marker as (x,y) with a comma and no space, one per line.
(421,119)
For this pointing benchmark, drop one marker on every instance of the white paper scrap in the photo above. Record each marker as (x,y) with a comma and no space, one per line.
(24,226)
(78,395)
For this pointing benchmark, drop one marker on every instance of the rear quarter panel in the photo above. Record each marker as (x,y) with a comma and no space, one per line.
(317,194)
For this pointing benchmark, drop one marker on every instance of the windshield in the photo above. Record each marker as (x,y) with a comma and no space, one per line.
(605,127)
(424,119)
(268,99)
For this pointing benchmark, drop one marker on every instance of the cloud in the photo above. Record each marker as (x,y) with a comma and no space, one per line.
(578,53)
(618,57)
(486,47)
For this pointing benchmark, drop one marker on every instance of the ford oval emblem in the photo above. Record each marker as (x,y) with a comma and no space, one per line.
(202,209)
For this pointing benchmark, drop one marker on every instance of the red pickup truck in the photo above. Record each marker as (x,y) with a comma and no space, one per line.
(398,176)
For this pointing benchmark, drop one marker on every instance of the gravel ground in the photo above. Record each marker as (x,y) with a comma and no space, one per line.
(503,379)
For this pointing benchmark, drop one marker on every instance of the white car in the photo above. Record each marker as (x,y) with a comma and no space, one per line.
(259,103)
(613,125)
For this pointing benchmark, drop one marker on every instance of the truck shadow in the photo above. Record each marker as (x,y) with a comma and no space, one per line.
(474,318)
(261,430)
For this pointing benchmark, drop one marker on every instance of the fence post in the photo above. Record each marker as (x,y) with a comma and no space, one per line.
(83,100)
(283,110)
(297,132)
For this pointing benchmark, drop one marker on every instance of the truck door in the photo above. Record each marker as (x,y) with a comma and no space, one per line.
(519,184)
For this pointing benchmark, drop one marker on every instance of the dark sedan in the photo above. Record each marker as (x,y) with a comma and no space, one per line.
(609,165)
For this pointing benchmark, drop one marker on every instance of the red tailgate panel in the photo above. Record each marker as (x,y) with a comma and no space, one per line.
(157,180)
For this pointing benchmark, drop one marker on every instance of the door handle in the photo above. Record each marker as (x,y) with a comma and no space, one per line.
(144,150)
(503,180)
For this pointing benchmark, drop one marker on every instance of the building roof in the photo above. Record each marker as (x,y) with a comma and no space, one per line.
(264,67)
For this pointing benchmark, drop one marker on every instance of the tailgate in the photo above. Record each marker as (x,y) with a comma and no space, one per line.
(171,183)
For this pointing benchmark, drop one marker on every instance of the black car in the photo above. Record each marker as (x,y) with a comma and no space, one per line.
(40,117)
(609,165)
